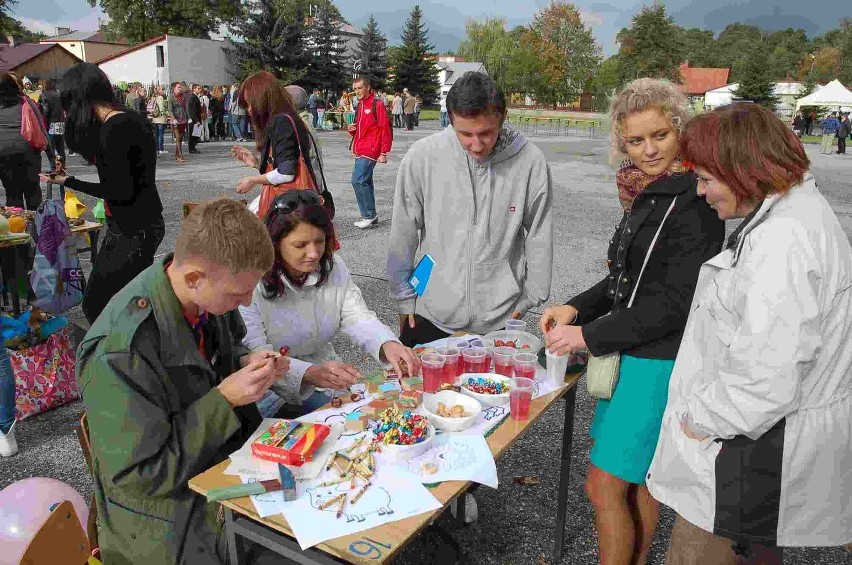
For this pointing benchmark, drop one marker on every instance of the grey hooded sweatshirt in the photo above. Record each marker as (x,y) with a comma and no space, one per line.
(487,224)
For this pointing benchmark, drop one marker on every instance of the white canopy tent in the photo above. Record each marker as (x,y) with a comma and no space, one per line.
(832,95)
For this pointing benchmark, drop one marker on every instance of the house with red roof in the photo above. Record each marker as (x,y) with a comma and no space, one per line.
(698,80)
(89,46)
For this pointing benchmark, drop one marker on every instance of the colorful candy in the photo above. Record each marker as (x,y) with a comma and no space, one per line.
(484,385)
(400,428)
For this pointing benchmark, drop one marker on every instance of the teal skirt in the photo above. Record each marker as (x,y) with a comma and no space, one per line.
(626,428)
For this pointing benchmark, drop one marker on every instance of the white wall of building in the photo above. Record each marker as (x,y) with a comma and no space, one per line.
(192,60)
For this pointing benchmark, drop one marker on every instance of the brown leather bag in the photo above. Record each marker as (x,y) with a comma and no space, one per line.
(302,181)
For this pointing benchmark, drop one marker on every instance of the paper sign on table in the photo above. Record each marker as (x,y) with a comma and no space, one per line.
(455,457)
(394,495)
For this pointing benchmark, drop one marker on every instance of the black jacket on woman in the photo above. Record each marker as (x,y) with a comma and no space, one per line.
(282,145)
(652,328)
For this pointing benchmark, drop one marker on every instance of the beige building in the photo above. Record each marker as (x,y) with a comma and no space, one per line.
(88,46)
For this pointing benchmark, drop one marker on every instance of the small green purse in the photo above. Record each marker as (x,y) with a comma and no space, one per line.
(602,372)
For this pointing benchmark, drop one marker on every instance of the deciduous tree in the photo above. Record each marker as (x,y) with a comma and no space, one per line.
(138,20)
(490,43)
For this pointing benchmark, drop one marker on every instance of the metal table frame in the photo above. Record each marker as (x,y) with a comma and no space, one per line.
(239,527)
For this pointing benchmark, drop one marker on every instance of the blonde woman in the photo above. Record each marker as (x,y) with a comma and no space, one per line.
(654,189)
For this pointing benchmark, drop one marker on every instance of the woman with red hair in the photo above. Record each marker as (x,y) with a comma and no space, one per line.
(282,139)
(756,444)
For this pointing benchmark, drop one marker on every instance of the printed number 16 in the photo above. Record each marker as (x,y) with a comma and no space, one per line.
(368,548)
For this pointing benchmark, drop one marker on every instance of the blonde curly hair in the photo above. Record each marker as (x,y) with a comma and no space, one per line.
(642,94)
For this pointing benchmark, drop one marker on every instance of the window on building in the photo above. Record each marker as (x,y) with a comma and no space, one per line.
(161,57)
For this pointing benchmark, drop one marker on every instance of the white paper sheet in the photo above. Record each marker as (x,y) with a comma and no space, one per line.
(394,495)
(196,130)
(455,457)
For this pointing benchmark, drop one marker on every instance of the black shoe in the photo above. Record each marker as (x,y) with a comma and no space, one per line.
(195,152)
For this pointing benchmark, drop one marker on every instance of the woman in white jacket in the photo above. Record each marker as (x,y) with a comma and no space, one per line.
(306,299)
(756,447)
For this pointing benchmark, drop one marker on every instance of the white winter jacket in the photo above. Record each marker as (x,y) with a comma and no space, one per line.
(765,368)
(306,320)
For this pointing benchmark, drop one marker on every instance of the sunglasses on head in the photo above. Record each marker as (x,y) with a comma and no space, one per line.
(290,200)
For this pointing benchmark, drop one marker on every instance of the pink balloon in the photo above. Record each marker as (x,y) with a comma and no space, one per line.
(24,508)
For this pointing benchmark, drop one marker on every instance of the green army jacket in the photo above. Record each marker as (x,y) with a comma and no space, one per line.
(156,419)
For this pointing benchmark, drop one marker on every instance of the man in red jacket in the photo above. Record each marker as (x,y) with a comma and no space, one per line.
(371,143)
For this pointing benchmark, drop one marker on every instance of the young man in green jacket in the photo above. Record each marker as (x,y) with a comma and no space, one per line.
(169,388)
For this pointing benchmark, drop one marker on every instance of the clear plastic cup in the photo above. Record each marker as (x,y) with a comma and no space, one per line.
(516,326)
(433,371)
(453,363)
(524,365)
(557,365)
(503,364)
(520,397)
(488,345)
(474,360)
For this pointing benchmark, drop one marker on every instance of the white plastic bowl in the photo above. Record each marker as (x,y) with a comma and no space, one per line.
(485,399)
(395,452)
(521,339)
(451,398)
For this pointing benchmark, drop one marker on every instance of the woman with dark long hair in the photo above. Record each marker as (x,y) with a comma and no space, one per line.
(280,135)
(309,282)
(121,145)
(19,161)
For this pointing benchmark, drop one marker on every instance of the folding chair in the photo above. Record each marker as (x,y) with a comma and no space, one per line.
(82,431)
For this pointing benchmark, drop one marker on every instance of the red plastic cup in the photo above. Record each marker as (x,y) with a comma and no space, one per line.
(503,364)
(520,397)
(525,365)
(453,361)
(475,360)
(433,371)
(488,345)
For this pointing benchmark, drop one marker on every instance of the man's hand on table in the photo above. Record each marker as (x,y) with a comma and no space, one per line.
(250,383)
(335,375)
(395,353)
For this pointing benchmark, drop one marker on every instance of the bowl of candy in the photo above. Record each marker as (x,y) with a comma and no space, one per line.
(451,411)
(402,435)
(490,389)
(522,341)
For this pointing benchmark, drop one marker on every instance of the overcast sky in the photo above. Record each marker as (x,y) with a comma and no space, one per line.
(446,20)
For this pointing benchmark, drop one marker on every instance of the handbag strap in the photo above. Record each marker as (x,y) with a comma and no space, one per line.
(650,248)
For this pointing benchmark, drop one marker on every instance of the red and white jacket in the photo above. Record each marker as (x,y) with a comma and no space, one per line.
(372,135)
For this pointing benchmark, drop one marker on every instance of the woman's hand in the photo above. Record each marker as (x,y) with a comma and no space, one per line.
(245,155)
(245,185)
(556,316)
(332,374)
(396,353)
(55,179)
(564,340)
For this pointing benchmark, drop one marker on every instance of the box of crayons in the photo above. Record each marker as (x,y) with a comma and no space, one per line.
(290,442)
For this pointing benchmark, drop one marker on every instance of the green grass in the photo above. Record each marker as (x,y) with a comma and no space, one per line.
(430,114)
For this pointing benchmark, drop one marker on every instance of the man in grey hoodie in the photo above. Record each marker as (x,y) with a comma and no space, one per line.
(477,198)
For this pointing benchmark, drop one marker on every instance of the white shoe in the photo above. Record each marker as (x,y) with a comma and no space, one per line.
(367,222)
(8,445)
(471,511)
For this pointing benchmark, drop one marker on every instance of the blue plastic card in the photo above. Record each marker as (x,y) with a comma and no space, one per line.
(420,277)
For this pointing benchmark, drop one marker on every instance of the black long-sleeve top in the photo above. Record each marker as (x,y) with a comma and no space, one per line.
(283,146)
(653,327)
(126,159)
(193,107)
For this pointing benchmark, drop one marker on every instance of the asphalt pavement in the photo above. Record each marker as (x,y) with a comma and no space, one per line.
(516,522)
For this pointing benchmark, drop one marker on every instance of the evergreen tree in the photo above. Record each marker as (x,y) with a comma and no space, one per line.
(272,40)
(651,47)
(327,69)
(808,86)
(374,56)
(756,84)
(413,63)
